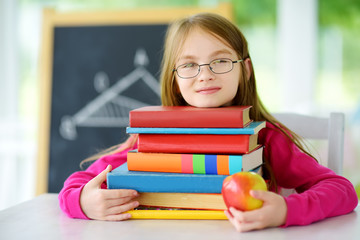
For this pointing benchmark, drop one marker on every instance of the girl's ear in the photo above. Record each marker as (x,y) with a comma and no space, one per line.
(248,68)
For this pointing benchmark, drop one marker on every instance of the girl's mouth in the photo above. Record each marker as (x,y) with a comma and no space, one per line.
(208,90)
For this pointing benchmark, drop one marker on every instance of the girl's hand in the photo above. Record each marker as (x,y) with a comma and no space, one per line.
(106,204)
(271,214)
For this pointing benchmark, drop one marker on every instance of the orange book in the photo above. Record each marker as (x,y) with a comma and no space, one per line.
(194,163)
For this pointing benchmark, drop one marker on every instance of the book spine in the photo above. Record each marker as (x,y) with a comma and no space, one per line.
(252,128)
(185,163)
(177,214)
(187,143)
(203,201)
(169,182)
(216,118)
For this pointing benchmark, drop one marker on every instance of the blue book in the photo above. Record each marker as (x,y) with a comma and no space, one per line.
(122,178)
(252,128)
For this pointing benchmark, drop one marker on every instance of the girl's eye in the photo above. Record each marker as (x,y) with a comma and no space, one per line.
(188,65)
(219,61)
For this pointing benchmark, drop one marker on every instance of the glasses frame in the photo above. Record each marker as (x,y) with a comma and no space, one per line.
(208,64)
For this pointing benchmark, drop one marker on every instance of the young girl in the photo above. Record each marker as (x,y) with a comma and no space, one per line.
(206,63)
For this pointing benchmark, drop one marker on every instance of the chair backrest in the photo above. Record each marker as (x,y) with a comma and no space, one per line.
(310,127)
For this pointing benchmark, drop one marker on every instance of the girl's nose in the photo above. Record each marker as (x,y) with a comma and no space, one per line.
(205,73)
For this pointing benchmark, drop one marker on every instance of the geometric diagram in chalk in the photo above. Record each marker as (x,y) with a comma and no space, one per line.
(110,108)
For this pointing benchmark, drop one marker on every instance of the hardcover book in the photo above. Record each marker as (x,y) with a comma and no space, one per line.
(209,201)
(187,116)
(252,128)
(197,143)
(194,163)
(177,214)
(122,178)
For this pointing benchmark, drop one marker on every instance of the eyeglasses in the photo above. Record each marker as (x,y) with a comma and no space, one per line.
(217,66)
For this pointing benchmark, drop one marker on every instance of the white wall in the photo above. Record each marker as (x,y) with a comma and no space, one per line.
(297,40)
(16,152)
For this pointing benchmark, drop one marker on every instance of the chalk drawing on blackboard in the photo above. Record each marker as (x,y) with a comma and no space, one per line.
(101,81)
(110,108)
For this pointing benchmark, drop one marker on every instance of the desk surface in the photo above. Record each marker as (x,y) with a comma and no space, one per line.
(41,218)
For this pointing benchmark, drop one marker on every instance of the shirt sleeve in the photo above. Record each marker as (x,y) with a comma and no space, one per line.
(69,196)
(320,192)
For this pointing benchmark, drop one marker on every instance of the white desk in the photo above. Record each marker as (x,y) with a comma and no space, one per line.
(41,218)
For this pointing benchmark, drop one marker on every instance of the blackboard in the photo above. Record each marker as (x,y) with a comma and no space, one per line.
(98,77)
(94,71)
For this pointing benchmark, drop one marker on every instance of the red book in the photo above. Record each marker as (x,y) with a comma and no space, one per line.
(190,117)
(197,143)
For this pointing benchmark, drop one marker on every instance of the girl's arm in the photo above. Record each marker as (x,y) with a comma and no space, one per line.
(70,196)
(321,193)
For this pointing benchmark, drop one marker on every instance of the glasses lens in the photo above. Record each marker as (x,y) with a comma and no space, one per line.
(221,65)
(188,70)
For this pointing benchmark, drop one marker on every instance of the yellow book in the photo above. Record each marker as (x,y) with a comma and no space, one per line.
(209,201)
(177,214)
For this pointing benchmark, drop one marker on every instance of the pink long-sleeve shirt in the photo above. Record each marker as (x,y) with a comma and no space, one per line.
(321,193)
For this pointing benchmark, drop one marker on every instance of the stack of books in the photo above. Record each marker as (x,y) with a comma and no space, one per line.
(183,156)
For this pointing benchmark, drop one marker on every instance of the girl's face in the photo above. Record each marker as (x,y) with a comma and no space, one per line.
(207,89)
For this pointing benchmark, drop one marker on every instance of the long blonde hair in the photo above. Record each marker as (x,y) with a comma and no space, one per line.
(229,34)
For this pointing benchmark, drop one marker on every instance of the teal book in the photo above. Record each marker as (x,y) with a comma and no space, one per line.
(252,128)
(122,178)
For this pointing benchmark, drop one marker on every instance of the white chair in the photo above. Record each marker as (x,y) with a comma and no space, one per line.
(309,127)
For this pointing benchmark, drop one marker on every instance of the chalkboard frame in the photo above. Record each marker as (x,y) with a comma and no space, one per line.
(52,19)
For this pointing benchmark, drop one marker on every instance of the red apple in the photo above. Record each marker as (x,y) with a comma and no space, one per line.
(236,190)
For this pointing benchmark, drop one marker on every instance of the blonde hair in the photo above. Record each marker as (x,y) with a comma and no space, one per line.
(230,35)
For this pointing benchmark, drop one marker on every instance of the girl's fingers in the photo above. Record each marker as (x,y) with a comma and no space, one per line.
(119,193)
(117,217)
(261,195)
(228,214)
(116,210)
(230,217)
(237,214)
(248,226)
(243,221)
(118,201)
(100,178)
(247,216)
(233,221)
